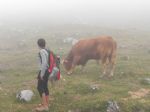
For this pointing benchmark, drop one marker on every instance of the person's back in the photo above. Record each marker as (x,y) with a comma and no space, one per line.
(43,60)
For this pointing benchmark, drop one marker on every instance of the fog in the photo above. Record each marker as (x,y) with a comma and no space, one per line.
(105,13)
(63,23)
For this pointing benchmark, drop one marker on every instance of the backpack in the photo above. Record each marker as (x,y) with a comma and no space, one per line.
(53,65)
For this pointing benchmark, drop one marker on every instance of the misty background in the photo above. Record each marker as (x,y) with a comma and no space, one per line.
(23,21)
(103,13)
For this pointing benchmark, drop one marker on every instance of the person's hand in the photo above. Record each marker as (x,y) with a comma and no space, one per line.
(41,78)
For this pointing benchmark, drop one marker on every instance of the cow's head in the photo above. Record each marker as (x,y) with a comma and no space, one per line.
(67,65)
(67,62)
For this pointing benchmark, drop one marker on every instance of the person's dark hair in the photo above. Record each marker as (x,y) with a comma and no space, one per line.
(41,43)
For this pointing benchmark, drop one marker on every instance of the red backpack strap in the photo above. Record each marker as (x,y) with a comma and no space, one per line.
(52,62)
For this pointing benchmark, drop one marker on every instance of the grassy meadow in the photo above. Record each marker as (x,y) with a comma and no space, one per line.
(19,67)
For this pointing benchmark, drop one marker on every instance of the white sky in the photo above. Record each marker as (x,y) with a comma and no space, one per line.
(27,6)
(91,9)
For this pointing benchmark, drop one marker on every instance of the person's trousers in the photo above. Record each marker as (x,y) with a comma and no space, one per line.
(42,85)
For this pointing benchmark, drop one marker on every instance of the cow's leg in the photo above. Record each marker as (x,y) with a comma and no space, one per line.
(104,66)
(112,59)
(112,65)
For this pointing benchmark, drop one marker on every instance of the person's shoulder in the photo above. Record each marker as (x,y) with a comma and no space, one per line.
(42,51)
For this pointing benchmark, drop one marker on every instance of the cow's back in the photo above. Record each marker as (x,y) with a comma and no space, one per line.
(93,47)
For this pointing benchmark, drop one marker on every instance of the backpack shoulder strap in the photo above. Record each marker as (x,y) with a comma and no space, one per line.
(51,60)
(40,57)
(48,51)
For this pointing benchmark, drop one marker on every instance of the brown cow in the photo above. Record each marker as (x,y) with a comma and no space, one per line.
(102,48)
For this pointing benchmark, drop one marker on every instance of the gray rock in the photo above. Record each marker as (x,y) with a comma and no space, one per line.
(113,107)
(94,87)
(70,40)
(146,81)
(25,95)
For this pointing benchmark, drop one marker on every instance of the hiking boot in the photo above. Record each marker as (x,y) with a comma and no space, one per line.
(39,105)
(42,108)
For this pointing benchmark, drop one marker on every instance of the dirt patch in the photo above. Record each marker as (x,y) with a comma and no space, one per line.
(139,94)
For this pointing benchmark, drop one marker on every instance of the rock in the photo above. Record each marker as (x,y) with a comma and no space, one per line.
(113,107)
(94,88)
(74,41)
(70,40)
(146,81)
(25,95)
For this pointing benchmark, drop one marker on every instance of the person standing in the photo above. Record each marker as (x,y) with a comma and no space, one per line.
(42,85)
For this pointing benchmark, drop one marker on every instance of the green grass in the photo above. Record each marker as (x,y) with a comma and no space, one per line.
(20,71)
